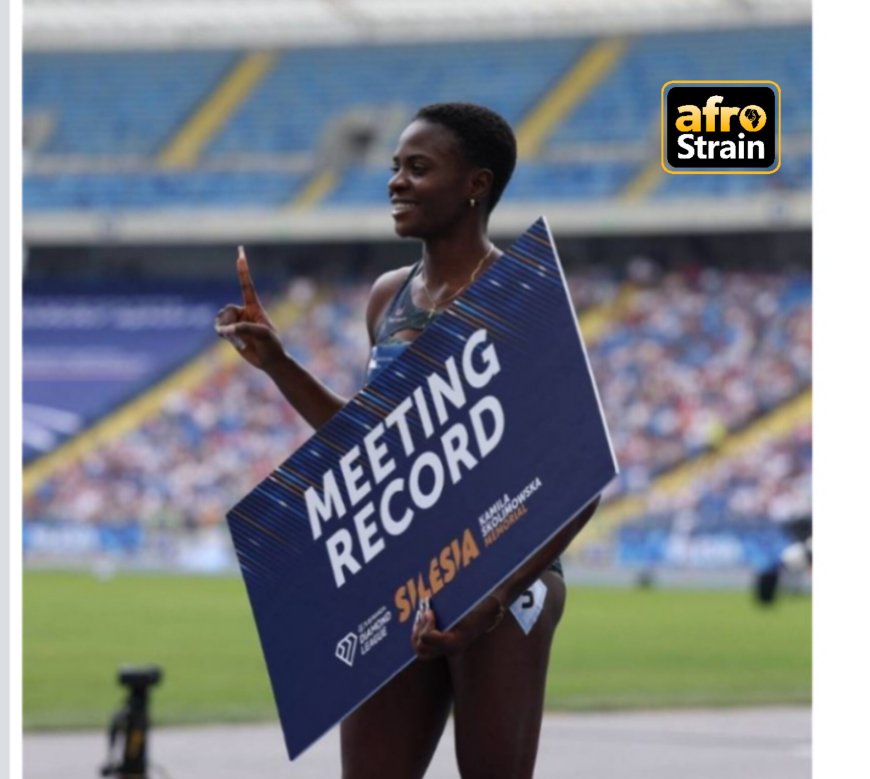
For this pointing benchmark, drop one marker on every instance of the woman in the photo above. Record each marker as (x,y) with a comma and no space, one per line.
(449,171)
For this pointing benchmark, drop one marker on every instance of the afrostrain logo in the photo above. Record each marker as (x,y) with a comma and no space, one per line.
(345,650)
(721,127)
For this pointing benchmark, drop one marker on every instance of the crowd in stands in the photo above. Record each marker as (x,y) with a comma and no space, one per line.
(209,445)
(688,356)
(695,354)
(743,510)
(769,481)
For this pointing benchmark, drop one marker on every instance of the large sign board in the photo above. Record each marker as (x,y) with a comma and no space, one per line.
(439,479)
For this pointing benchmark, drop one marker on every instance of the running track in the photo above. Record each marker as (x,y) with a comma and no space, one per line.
(761,743)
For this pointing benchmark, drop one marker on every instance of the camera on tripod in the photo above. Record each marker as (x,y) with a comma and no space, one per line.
(139,678)
(128,728)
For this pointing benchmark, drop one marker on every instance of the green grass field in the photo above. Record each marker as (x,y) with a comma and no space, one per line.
(615,649)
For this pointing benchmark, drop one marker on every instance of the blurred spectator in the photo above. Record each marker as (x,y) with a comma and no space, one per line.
(687,357)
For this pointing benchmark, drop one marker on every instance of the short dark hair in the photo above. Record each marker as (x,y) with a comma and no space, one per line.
(486,139)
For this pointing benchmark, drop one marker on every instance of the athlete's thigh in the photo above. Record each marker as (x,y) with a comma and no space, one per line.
(498,692)
(393,735)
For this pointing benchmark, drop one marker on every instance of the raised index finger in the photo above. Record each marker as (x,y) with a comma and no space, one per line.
(249,294)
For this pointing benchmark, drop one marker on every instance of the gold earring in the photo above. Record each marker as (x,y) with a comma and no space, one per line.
(472,202)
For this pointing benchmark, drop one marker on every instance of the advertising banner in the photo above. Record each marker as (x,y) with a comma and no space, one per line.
(438,479)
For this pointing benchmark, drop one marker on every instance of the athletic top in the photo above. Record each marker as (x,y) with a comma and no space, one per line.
(404,314)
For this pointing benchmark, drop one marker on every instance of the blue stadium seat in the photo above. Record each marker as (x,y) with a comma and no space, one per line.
(626,106)
(295,102)
(120,191)
(118,102)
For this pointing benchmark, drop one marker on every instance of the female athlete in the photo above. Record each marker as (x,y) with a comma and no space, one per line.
(450,168)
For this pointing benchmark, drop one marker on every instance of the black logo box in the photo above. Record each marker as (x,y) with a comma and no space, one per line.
(764,95)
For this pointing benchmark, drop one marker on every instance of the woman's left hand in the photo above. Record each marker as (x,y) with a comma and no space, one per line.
(429,642)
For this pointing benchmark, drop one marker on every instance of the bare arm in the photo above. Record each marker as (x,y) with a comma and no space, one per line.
(250,330)
(314,401)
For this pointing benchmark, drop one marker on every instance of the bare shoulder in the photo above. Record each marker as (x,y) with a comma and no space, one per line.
(383,290)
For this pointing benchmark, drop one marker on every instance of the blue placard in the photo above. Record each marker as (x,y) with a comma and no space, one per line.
(440,478)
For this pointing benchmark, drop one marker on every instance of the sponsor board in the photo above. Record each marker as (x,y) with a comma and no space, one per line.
(437,480)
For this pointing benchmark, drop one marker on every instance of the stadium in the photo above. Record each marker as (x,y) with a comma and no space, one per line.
(159,137)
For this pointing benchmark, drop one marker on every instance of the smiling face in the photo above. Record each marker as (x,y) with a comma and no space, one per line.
(432,181)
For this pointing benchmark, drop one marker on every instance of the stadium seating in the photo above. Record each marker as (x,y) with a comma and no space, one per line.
(688,358)
(117,103)
(625,105)
(91,346)
(736,515)
(695,356)
(157,190)
(795,173)
(128,107)
(308,88)
(696,364)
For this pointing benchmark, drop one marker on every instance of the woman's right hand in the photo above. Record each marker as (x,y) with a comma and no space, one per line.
(248,327)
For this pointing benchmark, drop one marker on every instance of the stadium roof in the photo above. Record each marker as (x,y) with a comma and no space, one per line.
(66,24)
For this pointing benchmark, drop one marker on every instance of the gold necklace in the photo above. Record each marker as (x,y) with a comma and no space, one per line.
(433,305)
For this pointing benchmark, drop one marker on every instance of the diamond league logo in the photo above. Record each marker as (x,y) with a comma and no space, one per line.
(345,650)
